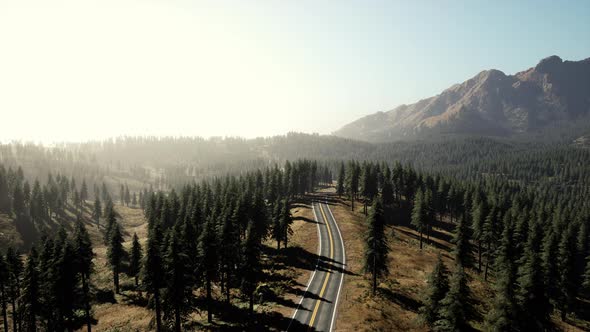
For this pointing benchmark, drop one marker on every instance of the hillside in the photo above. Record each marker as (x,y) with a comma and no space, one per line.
(553,93)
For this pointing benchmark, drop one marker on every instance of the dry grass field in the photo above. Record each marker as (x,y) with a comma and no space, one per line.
(286,274)
(395,307)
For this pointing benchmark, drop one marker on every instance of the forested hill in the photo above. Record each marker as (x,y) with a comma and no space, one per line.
(171,162)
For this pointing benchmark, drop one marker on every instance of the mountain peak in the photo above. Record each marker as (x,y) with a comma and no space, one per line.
(549,64)
(490,103)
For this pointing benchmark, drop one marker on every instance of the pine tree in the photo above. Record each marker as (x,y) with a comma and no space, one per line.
(15,268)
(341,179)
(277,232)
(29,300)
(4,288)
(550,266)
(376,245)
(387,193)
(111,219)
(455,308)
(115,253)
(122,195)
(250,266)
(285,222)
(97,211)
(208,257)
(229,252)
(178,291)
(478,216)
(127,195)
(419,215)
(152,272)
(84,256)
(462,250)
(488,236)
(135,259)
(532,298)
(84,191)
(437,288)
(503,317)
(567,276)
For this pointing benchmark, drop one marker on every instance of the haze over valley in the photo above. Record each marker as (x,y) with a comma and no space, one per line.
(294,166)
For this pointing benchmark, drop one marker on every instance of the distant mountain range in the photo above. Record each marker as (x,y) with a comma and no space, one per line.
(491,103)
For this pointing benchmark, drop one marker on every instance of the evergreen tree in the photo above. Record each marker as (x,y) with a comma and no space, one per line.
(376,245)
(115,253)
(438,286)
(4,289)
(250,267)
(455,308)
(152,272)
(550,266)
(208,256)
(122,195)
(285,222)
(229,241)
(387,193)
(419,215)
(29,300)
(135,259)
(341,178)
(532,298)
(111,219)
(84,191)
(567,276)
(178,291)
(84,256)
(15,268)
(503,317)
(97,211)
(478,216)
(462,250)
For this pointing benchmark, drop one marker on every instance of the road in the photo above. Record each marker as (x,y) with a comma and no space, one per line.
(317,309)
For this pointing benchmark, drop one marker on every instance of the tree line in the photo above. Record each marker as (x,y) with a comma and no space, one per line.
(207,235)
(531,245)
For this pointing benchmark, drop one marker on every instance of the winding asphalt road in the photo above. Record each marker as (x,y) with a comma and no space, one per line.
(317,309)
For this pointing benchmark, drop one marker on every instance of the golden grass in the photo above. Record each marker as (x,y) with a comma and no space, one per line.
(395,306)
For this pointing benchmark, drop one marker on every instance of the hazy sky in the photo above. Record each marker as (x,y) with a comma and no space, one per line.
(77,70)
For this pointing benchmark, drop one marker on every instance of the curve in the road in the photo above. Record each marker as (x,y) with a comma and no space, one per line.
(317,308)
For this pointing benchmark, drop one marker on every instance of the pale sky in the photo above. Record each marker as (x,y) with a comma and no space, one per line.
(79,70)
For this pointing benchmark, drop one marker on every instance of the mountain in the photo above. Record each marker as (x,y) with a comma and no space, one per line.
(491,103)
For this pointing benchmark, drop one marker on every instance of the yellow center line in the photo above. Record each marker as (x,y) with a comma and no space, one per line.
(318,301)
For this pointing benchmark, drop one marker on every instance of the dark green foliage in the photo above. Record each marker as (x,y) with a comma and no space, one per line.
(250,265)
(4,290)
(455,307)
(135,259)
(178,291)
(115,253)
(84,265)
(208,246)
(152,270)
(376,247)
(340,186)
(462,251)
(15,267)
(437,288)
(567,272)
(503,316)
(29,301)
(97,211)
(419,215)
(532,298)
